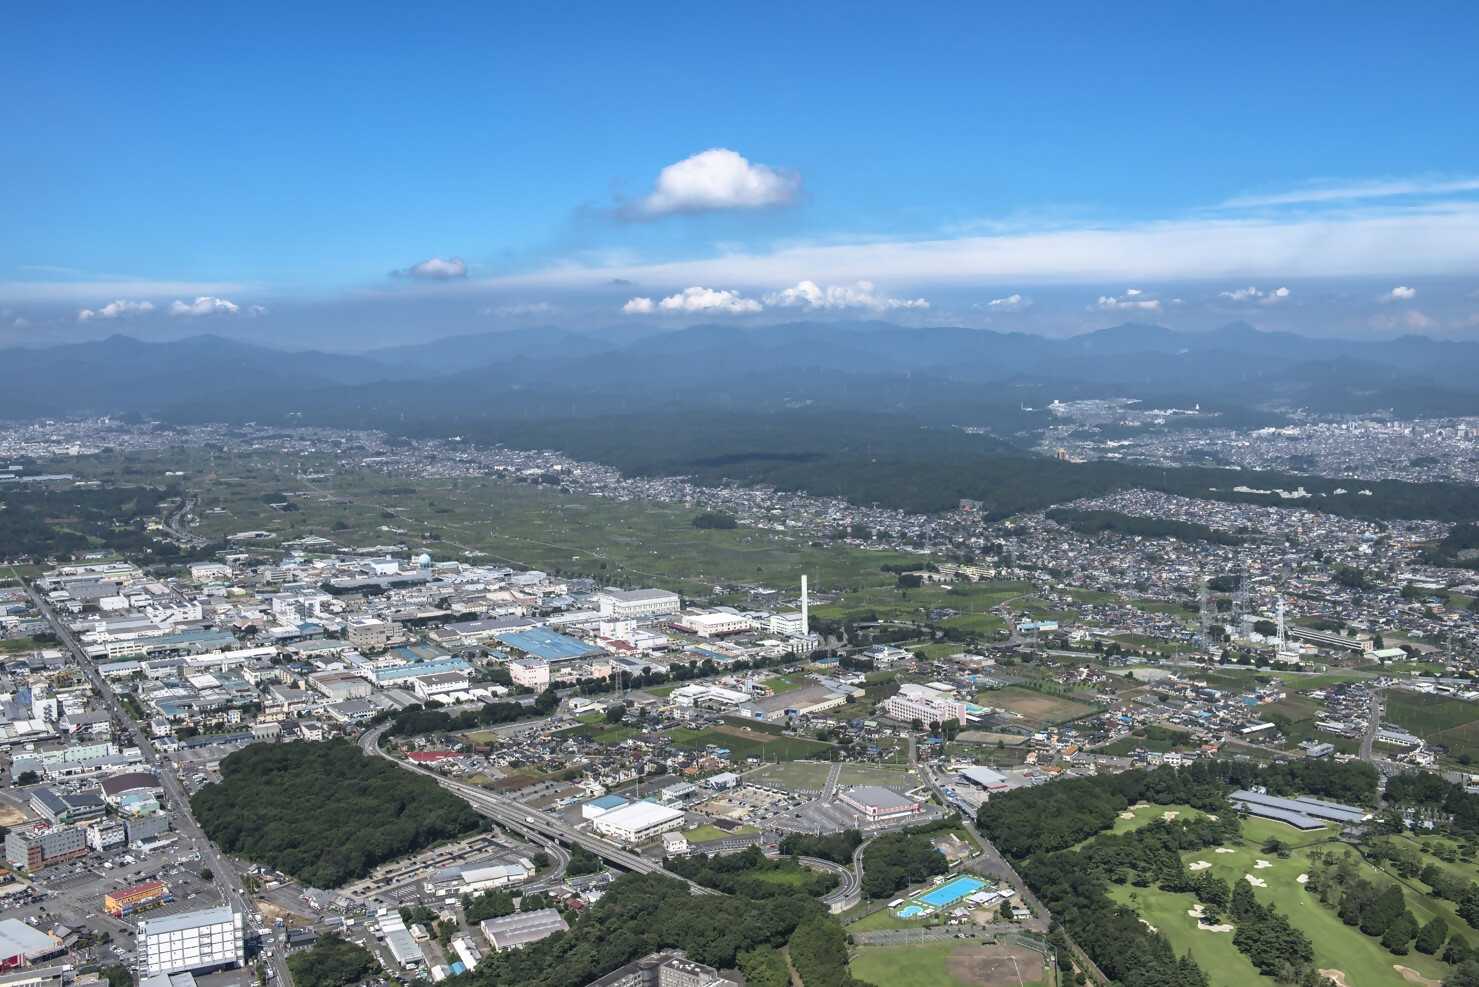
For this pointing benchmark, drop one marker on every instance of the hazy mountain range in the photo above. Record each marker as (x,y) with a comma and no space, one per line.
(939,374)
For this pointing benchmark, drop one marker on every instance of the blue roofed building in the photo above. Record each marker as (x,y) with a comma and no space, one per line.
(550,646)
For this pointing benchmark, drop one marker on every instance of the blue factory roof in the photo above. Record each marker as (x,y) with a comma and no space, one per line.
(550,646)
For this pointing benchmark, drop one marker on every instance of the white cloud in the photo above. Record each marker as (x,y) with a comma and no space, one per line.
(1252,294)
(435,269)
(1011,303)
(255,310)
(120,309)
(518,309)
(638,306)
(717,179)
(698,299)
(204,305)
(1353,191)
(860,294)
(21,322)
(1401,293)
(1130,301)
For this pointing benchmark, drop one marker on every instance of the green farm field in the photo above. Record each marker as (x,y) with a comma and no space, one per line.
(1453,723)
(948,965)
(743,743)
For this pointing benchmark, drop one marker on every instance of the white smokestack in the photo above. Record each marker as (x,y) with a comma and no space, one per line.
(805,620)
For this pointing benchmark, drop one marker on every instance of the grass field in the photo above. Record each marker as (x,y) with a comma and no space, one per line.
(1035,708)
(948,965)
(1337,946)
(601,733)
(794,776)
(1453,723)
(704,834)
(858,774)
(744,743)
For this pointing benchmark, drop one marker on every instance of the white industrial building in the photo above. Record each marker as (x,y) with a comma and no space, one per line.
(637,604)
(920,702)
(531,673)
(712,624)
(402,947)
(475,880)
(638,822)
(190,941)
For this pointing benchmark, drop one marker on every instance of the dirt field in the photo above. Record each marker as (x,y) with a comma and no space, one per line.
(1035,706)
(995,966)
(10,815)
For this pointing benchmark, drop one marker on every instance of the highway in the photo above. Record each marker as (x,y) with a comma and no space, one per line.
(528,822)
(223,872)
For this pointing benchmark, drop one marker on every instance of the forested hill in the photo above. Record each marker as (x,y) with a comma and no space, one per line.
(325,812)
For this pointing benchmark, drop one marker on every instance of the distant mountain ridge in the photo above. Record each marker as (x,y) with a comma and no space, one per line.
(942,372)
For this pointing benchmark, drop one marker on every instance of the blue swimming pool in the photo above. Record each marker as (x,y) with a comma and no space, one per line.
(909,911)
(957,889)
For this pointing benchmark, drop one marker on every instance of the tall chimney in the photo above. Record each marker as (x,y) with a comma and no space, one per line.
(805,620)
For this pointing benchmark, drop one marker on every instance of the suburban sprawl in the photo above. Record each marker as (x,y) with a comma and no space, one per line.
(330,706)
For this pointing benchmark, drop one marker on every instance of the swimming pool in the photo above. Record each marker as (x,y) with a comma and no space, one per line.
(957,889)
(909,911)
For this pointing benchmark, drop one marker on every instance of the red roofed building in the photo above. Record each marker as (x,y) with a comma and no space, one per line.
(430,757)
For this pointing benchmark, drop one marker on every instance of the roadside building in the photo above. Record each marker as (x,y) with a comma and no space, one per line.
(639,822)
(21,945)
(125,900)
(40,847)
(518,930)
(877,803)
(191,941)
(637,604)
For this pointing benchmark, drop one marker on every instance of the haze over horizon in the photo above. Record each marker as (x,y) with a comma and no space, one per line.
(348,184)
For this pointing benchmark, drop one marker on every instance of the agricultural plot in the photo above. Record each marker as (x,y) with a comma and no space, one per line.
(601,733)
(743,743)
(795,776)
(1453,723)
(1035,708)
(857,774)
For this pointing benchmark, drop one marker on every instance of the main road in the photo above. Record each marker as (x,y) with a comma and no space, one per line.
(223,872)
(527,822)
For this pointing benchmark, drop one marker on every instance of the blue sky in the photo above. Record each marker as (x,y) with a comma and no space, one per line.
(286,172)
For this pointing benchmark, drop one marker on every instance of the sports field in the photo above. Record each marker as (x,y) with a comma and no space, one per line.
(949,964)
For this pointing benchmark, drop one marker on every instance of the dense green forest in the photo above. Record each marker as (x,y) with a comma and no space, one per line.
(1093,522)
(752,874)
(1452,548)
(332,962)
(324,812)
(43,523)
(643,913)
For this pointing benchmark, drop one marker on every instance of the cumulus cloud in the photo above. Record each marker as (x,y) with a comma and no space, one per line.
(434,269)
(708,300)
(1011,303)
(638,306)
(860,294)
(1252,294)
(1132,300)
(1401,293)
(120,309)
(714,180)
(204,305)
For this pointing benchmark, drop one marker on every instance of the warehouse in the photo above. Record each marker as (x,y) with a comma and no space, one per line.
(21,945)
(596,808)
(991,781)
(877,802)
(639,822)
(521,928)
(712,624)
(637,604)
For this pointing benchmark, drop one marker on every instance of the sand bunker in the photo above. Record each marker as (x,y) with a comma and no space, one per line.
(1410,974)
(1261,864)
(1214,928)
(1257,882)
(1337,975)
(1303,879)
(1200,865)
(1127,815)
(1149,926)
(1168,816)
(1226,849)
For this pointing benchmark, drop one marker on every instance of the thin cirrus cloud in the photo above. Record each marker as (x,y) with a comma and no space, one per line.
(714,181)
(121,309)
(1354,191)
(434,269)
(805,296)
